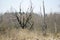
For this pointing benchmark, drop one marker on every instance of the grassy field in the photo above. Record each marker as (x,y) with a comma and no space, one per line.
(25,34)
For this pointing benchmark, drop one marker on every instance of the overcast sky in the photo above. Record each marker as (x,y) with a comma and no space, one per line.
(50,5)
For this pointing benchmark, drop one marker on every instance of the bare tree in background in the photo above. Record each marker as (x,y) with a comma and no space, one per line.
(44,27)
(25,19)
(41,15)
(40,12)
(55,23)
(1,18)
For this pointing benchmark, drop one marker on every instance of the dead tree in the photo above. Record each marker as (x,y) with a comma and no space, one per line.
(40,12)
(55,23)
(1,18)
(44,26)
(41,16)
(24,21)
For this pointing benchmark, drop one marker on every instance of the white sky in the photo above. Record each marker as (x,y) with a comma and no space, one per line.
(50,5)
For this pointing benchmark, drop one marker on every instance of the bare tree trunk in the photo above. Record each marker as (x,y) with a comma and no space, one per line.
(55,24)
(1,18)
(55,27)
(44,28)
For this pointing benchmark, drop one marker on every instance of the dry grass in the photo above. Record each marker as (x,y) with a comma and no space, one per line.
(24,34)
